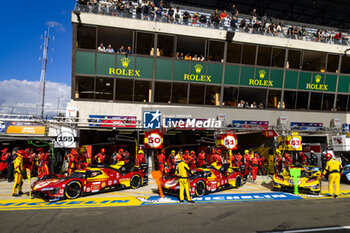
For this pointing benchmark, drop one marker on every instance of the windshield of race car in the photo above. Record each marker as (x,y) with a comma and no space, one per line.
(80,175)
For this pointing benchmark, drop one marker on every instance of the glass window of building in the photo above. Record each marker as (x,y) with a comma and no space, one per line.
(274,99)
(293,61)
(315,101)
(234,53)
(179,93)
(196,94)
(190,45)
(86,37)
(278,57)
(264,56)
(104,88)
(249,53)
(84,88)
(303,100)
(216,51)
(166,45)
(143,91)
(342,102)
(124,89)
(289,99)
(314,61)
(162,92)
(230,96)
(332,63)
(252,97)
(145,44)
(328,102)
(345,64)
(212,95)
(115,37)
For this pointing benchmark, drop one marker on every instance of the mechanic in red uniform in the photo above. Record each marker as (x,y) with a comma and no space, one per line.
(171,162)
(118,157)
(45,164)
(247,158)
(287,160)
(186,156)
(213,157)
(261,165)
(100,157)
(40,158)
(219,158)
(255,166)
(140,158)
(278,161)
(201,159)
(238,160)
(3,163)
(161,161)
(126,156)
(193,160)
(72,161)
(303,158)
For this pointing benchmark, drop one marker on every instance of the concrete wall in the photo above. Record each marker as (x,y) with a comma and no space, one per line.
(87,108)
(151,26)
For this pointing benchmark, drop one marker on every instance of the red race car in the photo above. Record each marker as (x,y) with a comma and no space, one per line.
(90,180)
(206,180)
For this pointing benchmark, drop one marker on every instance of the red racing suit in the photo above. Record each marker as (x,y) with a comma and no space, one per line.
(100,158)
(201,159)
(161,162)
(3,164)
(193,161)
(255,167)
(238,160)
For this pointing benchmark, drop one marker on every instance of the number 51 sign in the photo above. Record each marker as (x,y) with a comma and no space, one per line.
(227,141)
(153,140)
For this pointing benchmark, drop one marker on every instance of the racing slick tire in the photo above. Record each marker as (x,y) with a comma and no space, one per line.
(238,181)
(73,190)
(135,181)
(200,188)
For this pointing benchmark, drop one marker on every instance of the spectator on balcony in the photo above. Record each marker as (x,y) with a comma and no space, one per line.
(264,18)
(121,50)
(261,105)
(195,19)
(158,14)
(242,24)
(254,16)
(129,10)
(195,58)
(211,20)
(177,15)
(302,32)
(177,55)
(240,104)
(296,32)
(249,28)
(338,37)
(186,17)
(110,49)
(101,48)
(253,105)
(83,5)
(182,56)
(145,11)
(164,15)
(234,20)
(226,22)
(151,10)
(201,58)
(272,30)
(188,57)
(216,19)
(94,5)
(234,10)
(256,27)
(171,15)
(291,32)
(138,11)
(129,50)
(279,30)
(223,15)
(203,19)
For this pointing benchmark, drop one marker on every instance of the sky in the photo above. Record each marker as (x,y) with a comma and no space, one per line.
(22,31)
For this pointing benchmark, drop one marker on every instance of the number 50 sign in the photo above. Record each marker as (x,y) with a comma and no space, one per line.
(153,140)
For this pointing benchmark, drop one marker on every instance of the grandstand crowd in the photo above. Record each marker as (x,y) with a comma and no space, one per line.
(227,20)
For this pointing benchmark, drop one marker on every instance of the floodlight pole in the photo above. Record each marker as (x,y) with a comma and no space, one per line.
(43,69)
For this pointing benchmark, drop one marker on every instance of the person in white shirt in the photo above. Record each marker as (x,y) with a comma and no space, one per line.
(201,58)
(110,49)
(101,48)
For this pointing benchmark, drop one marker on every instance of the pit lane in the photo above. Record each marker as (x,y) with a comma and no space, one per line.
(260,190)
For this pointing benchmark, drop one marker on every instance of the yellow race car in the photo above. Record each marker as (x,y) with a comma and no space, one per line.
(308,182)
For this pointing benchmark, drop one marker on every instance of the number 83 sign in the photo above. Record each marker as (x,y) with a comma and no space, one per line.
(153,140)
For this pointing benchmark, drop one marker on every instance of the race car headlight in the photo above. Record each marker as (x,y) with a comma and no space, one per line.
(317,186)
(311,180)
(55,191)
(47,189)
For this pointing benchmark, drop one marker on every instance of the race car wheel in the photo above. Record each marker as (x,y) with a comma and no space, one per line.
(73,190)
(135,182)
(200,188)
(238,181)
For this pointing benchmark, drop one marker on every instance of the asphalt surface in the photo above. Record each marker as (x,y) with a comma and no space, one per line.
(214,217)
